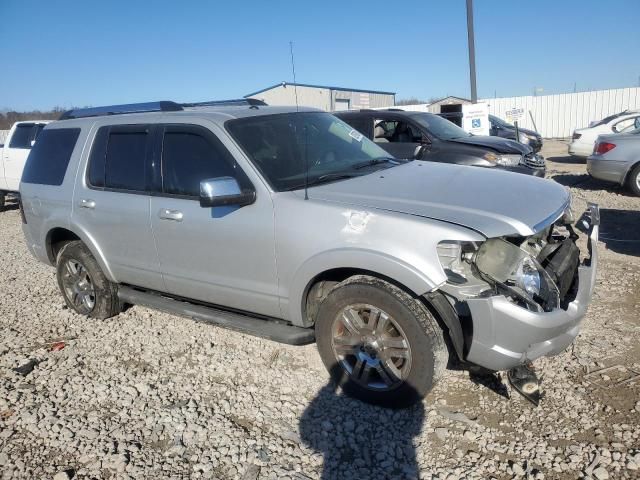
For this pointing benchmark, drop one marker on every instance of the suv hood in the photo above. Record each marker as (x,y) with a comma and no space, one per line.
(500,145)
(490,201)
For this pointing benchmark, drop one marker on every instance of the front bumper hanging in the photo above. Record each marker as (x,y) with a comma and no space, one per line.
(506,335)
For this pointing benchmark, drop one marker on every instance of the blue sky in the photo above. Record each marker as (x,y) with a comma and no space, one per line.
(75,53)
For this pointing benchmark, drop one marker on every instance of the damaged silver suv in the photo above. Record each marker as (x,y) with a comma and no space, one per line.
(290,225)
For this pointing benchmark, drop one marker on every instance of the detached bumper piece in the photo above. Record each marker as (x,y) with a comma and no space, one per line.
(506,335)
(525,381)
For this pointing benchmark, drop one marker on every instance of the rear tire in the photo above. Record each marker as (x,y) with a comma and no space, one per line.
(379,343)
(3,197)
(84,287)
(634,180)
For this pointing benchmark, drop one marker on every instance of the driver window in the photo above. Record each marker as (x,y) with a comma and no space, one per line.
(191,154)
(395,131)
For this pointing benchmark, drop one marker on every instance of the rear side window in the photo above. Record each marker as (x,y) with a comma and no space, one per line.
(119,158)
(191,154)
(48,160)
(22,136)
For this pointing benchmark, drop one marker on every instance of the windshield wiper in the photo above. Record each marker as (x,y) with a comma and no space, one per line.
(375,161)
(327,177)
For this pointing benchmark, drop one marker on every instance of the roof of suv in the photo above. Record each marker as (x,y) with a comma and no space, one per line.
(147,112)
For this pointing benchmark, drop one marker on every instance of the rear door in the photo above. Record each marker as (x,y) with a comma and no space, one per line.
(16,152)
(221,255)
(112,203)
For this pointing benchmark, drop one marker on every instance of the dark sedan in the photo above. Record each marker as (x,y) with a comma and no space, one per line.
(425,136)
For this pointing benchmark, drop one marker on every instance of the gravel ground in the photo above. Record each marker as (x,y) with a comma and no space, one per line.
(149,395)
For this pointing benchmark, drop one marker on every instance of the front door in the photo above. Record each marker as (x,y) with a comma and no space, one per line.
(398,137)
(222,255)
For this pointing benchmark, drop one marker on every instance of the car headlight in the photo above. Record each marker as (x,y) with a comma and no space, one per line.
(502,159)
(512,267)
(524,138)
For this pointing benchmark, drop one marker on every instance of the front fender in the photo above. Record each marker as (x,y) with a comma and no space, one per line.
(375,262)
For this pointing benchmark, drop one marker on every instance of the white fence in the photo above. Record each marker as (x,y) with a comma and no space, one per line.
(3,136)
(556,116)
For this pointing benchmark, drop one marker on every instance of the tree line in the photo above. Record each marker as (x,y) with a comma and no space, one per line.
(8,118)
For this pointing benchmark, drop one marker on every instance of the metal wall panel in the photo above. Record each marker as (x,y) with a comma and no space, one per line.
(323,98)
(557,116)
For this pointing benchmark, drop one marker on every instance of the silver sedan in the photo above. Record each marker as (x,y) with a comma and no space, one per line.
(616,158)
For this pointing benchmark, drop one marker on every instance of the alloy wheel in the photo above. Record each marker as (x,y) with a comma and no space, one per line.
(371,347)
(78,286)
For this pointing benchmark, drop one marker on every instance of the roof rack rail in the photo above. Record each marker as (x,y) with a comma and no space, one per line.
(162,106)
(254,102)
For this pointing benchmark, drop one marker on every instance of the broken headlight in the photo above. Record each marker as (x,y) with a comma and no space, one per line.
(518,271)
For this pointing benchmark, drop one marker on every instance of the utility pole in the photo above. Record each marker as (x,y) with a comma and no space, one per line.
(472,52)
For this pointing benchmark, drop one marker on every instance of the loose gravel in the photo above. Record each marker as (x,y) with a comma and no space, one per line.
(150,395)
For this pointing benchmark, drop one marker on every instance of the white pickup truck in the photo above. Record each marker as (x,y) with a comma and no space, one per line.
(14,153)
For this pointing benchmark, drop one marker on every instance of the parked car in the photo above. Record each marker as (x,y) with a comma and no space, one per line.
(293,226)
(426,136)
(616,158)
(500,128)
(14,152)
(584,139)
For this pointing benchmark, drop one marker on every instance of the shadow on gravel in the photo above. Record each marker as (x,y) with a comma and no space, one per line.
(568,159)
(620,230)
(10,204)
(587,182)
(358,440)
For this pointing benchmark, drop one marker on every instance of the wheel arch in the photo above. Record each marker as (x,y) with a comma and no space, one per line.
(335,266)
(57,237)
(625,178)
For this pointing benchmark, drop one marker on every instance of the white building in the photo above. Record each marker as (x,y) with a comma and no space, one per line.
(326,98)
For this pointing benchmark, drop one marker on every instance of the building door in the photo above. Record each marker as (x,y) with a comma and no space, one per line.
(342,104)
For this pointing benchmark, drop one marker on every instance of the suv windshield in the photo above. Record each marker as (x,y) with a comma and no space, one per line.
(283,146)
(439,127)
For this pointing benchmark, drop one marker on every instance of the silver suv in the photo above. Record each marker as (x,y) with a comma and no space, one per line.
(289,224)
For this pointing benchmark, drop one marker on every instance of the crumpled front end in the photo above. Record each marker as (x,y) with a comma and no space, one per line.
(534,310)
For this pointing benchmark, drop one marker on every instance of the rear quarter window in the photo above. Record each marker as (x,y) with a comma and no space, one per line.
(49,158)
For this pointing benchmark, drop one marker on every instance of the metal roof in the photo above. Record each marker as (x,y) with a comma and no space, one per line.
(341,89)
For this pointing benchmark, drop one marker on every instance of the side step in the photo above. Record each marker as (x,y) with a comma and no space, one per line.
(272,330)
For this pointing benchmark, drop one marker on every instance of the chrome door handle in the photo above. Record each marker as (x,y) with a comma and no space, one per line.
(166,214)
(86,203)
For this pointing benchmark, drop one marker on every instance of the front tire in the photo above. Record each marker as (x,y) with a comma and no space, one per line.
(84,287)
(634,180)
(379,343)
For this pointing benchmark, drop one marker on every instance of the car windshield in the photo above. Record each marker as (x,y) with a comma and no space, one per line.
(499,121)
(288,147)
(439,127)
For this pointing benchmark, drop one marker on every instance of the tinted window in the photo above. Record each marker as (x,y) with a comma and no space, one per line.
(22,136)
(48,160)
(190,155)
(125,162)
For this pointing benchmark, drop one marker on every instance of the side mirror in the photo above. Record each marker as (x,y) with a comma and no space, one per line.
(418,153)
(224,191)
